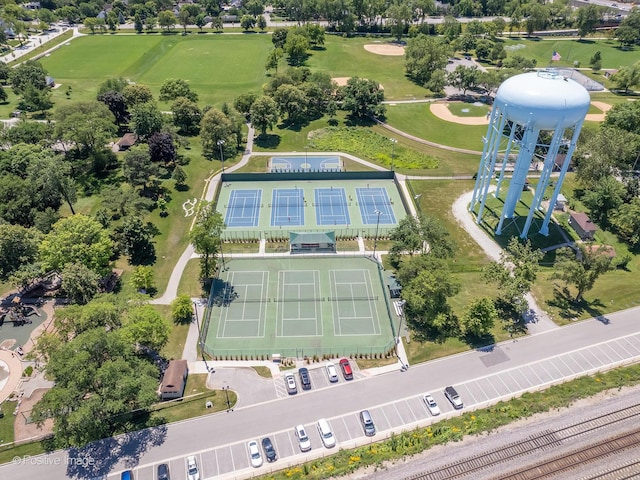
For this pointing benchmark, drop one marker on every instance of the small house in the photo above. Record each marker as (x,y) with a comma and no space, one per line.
(174,380)
(583,225)
(561,202)
(126,142)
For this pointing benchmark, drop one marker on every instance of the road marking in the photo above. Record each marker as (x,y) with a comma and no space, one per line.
(415,418)
(346,427)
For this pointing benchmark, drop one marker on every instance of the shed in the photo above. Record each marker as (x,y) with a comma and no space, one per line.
(127,141)
(561,202)
(310,242)
(174,380)
(583,225)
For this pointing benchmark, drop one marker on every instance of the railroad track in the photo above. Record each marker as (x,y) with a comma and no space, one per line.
(629,470)
(538,442)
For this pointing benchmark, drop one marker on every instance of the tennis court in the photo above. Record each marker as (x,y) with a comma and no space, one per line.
(375,202)
(307,163)
(243,209)
(331,206)
(297,307)
(287,207)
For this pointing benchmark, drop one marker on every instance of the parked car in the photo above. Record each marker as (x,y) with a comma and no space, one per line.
(303,438)
(305,378)
(453,397)
(332,372)
(254,453)
(431,404)
(163,472)
(367,423)
(346,369)
(326,434)
(269,450)
(290,381)
(192,468)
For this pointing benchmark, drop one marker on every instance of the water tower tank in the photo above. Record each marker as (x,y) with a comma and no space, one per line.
(547,98)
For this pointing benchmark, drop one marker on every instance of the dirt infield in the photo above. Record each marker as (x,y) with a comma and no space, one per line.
(385,49)
(342,81)
(441,110)
(598,117)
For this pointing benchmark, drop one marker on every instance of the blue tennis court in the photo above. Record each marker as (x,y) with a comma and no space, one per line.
(374,200)
(331,206)
(287,207)
(306,163)
(243,209)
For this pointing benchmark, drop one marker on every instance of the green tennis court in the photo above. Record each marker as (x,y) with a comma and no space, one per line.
(298,307)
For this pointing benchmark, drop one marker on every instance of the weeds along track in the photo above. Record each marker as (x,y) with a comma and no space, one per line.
(539,442)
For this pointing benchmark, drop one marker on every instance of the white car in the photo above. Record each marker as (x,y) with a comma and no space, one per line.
(431,404)
(290,381)
(192,469)
(303,438)
(254,453)
(332,372)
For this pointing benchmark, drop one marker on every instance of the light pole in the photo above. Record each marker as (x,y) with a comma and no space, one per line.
(402,304)
(226,392)
(224,266)
(220,143)
(375,239)
(200,340)
(393,150)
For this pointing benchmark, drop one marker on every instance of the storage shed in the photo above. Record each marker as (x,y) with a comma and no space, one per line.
(583,225)
(174,380)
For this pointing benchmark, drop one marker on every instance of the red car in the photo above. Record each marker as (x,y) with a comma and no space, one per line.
(346,369)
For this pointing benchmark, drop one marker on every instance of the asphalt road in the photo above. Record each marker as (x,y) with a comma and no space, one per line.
(198,435)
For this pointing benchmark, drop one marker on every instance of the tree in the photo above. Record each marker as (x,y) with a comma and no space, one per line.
(628,33)
(173,88)
(166,19)
(200,21)
(117,105)
(136,241)
(86,125)
(398,17)
(478,318)
(625,116)
(262,23)
(51,180)
(135,94)
(450,28)
(206,237)
(79,282)
(420,235)
(143,325)
(279,37)
(146,119)
(77,239)
(99,382)
(182,309)
(120,202)
(186,116)
(101,312)
(248,22)
(464,78)
(179,176)
(580,269)
(627,77)
(424,55)
(296,47)
(587,19)
(264,114)
(18,246)
(185,17)
(291,101)
(244,101)
(112,21)
(162,148)
(3,95)
(626,221)
(466,42)
(363,98)
(596,61)
(215,126)
(137,22)
(112,85)
(273,59)
(518,62)
(34,100)
(427,285)
(30,133)
(605,198)
(484,49)
(608,152)
(142,278)
(5,72)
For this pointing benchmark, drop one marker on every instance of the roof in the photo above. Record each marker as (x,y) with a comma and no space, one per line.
(127,140)
(174,375)
(312,237)
(583,221)
(561,198)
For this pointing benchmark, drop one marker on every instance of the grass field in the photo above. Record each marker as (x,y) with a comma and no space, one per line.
(462,109)
(572,50)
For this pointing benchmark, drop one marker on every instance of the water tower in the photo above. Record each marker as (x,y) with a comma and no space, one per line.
(536,118)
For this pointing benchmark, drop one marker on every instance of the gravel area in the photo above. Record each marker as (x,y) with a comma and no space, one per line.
(581,410)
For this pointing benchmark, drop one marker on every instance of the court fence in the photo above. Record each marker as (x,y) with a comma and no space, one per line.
(299,353)
(306,175)
(282,235)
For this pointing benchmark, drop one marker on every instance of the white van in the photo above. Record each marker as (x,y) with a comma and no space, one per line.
(326,434)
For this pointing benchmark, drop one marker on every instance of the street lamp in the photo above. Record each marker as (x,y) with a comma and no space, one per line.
(226,392)
(200,339)
(375,239)
(224,266)
(393,150)
(220,143)
(401,305)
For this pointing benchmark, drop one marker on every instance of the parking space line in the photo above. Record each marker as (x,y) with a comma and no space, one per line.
(633,341)
(215,451)
(623,347)
(492,386)
(505,385)
(385,417)
(536,374)
(469,392)
(562,359)
(595,358)
(346,427)
(201,465)
(516,380)
(481,390)
(605,353)
(614,353)
(562,375)
(578,367)
(293,449)
(415,418)
(232,460)
(398,412)
(586,360)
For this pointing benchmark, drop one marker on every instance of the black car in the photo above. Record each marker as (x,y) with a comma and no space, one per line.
(305,379)
(163,472)
(269,451)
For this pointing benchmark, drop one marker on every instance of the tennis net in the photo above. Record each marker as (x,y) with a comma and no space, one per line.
(301,299)
(348,299)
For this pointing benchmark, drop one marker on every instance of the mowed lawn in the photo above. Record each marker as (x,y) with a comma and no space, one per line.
(218,67)
(573,50)
(417,119)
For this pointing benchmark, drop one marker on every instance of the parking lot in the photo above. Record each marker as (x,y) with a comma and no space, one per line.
(409,412)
